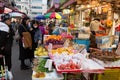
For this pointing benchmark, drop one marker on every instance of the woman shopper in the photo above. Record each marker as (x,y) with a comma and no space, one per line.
(25,53)
(42,29)
(6,39)
(36,34)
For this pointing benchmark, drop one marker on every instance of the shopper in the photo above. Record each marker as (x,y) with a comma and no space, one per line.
(6,40)
(18,23)
(36,34)
(42,29)
(51,26)
(25,53)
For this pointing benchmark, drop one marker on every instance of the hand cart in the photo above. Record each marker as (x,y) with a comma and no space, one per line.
(4,73)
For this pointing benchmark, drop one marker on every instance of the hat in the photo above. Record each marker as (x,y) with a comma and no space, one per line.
(5,17)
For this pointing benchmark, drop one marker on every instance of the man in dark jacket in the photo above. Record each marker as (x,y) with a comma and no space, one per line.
(6,39)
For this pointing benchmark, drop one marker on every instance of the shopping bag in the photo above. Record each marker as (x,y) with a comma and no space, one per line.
(27,40)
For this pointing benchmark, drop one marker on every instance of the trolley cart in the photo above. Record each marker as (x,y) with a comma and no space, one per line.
(5,74)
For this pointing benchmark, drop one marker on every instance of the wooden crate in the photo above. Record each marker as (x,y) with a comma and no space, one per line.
(110,74)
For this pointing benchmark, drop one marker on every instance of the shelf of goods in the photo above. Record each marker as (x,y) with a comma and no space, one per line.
(68,60)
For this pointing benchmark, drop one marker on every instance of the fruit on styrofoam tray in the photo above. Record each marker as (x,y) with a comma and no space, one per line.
(67,62)
(69,66)
(68,50)
(40,51)
(54,39)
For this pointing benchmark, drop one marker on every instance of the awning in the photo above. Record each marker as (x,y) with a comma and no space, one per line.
(51,9)
(68,3)
(7,10)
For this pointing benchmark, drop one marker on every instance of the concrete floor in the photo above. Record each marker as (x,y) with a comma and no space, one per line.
(17,73)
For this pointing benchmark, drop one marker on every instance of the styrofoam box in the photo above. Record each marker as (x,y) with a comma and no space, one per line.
(103,39)
(50,76)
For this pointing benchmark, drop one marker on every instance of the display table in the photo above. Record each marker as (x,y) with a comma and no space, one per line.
(49,76)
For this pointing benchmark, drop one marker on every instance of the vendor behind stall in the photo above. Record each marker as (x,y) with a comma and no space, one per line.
(95,25)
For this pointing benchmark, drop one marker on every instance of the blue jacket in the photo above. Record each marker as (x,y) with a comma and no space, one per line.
(37,35)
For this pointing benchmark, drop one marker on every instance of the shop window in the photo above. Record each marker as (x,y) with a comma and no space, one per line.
(36,0)
(18,6)
(36,7)
(18,0)
(37,13)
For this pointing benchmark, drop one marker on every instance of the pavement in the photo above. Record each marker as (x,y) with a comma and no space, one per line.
(17,73)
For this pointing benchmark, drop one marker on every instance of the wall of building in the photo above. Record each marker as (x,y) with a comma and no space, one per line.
(32,7)
(38,7)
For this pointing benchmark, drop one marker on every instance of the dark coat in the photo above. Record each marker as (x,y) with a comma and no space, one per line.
(3,40)
(6,41)
(24,53)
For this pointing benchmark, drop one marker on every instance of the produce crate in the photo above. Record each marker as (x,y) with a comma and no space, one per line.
(102,39)
(110,74)
(86,42)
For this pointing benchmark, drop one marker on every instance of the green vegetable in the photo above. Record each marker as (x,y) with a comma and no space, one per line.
(40,67)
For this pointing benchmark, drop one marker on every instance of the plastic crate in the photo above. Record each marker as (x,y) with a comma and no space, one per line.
(102,39)
(110,74)
(86,42)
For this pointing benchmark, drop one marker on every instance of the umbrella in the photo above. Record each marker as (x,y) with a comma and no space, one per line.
(39,17)
(53,15)
(16,14)
(48,15)
(7,10)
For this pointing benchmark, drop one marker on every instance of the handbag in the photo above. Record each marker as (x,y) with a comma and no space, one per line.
(27,40)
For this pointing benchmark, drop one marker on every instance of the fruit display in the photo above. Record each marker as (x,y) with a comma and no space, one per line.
(54,39)
(104,55)
(68,50)
(47,76)
(66,62)
(41,51)
(69,66)
(39,75)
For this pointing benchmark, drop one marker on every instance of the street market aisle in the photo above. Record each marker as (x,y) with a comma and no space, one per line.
(17,73)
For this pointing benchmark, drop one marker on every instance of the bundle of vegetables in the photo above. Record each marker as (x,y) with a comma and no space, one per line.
(41,66)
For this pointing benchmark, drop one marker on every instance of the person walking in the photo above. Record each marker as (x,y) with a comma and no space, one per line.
(25,53)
